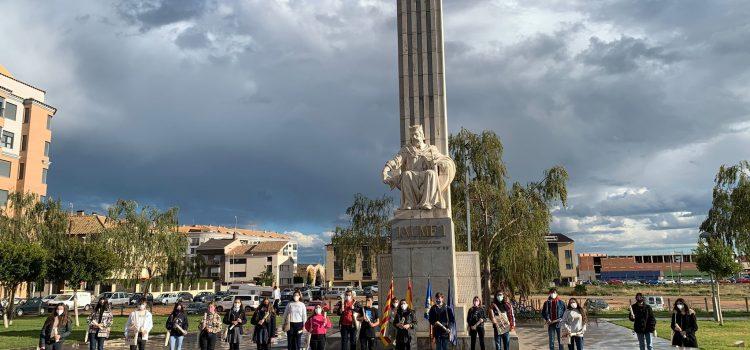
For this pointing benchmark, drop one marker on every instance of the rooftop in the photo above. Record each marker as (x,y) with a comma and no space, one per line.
(557,238)
(260,248)
(213,244)
(231,230)
(82,224)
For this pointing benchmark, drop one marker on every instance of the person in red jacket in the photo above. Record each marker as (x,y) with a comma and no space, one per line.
(317,326)
(347,322)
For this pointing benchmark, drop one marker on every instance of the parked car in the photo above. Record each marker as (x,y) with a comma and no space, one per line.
(372,290)
(286,294)
(311,306)
(196,308)
(615,282)
(171,298)
(203,297)
(333,294)
(33,306)
(49,298)
(114,298)
(282,306)
(596,305)
(656,302)
(84,301)
(136,298)
(743,280)
(306,295)
(249,302)
(317,293)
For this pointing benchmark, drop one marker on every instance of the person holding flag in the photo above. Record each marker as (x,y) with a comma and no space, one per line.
(387,331)
(368,317)
(442,321)
(405,323)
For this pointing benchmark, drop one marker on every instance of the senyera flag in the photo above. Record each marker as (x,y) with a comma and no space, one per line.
(384,338)
(409,295)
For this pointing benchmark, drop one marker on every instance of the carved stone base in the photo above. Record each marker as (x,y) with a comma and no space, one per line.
(403,214)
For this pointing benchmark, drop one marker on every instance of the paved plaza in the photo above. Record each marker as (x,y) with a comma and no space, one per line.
(599,335)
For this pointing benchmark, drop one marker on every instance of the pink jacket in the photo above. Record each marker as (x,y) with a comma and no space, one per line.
(318,324)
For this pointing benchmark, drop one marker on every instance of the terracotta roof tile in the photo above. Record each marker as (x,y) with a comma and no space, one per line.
(223,229)
(86,224)
(214,244)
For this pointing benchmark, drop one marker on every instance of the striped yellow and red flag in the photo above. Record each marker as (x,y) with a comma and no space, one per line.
(384,321)
(409,294)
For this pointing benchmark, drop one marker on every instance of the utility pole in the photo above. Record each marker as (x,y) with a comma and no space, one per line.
(466,198)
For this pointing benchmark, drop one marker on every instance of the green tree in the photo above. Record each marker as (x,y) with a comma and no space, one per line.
(508,223)
(266,278)
(368,226)
(146,240)
(729,215)
(20,261)
(715,257)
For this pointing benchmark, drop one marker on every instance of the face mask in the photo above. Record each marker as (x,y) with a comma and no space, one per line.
(680,306)
(553,295)
(348,298)
(296,298)
(500,298)
(236,306)
(395,305)
(573,305)
(142,307)
(60,312)
(476,303)
(318,311)
(404,307)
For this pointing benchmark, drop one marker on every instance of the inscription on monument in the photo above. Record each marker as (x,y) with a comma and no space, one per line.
(410,235)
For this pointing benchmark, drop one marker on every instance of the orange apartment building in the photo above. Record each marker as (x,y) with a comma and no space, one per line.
(25,137)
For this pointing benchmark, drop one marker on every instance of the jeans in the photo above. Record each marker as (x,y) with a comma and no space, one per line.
(644,341)
(441,343)
(348,337)
(175,343)
(366,343)
(141,344)
(207,341)
(478,333)
(293,336)
(53,346)
(318,342)
(502,341)
(96,343)
(576,343)
(552,330)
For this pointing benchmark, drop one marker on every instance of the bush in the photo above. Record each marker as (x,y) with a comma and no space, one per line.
(580,290)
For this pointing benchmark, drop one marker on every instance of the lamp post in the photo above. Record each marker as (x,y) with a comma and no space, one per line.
(466,195)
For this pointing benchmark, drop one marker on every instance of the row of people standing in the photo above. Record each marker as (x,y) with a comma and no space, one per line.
(683,322)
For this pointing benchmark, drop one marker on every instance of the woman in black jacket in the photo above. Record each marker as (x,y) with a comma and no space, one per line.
(177,325)
(235,318)
(475,320)
(55,329)
(684,325)
(264,320)
(404,323)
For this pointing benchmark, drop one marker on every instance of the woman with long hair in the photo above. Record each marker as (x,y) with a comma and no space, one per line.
(503,320)
(100,323)
(684,325)
(55,329)
(264,320)
(235,318)
(177,325)
(295,315)
(138,326)
(405,323)
(573,324)
(475,319)
(210,328)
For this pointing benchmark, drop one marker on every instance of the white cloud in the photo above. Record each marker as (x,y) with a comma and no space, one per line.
(306,240)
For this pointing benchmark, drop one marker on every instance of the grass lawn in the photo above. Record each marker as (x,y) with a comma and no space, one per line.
(727,290)
(710,335)
(666,314)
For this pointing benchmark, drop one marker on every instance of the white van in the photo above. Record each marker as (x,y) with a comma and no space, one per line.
(84,300)
(249,302)
(250,289)
(656,302)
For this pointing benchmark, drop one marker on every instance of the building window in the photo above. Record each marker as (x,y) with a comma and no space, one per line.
(237,261)
(4,168)
(3,197)
(270,258)
(21,170)
(2,105)
(568,259)
(10,111)
(238,274)
(24,142)
(194,241)
(26,115)
(49,122)
(46,149)
(8,138)
(192,250)
(44,176)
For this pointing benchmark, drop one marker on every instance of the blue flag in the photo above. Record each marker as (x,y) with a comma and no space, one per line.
(428,300)
(451,317)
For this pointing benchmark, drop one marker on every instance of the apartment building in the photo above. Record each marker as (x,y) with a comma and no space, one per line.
(25,137)
(235,260)
(597,266)
(363,273)
(199,234)
(563,248)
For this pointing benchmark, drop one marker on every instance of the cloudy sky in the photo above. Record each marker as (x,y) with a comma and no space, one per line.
(277,112)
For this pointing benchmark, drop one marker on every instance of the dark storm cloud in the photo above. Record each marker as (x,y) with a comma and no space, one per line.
(278,112)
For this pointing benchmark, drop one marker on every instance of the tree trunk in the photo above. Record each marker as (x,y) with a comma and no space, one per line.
(8,309)
(75,305)
(714,299)
(718,304)
(487,290)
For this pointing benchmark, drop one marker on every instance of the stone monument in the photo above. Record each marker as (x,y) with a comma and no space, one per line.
(422,235)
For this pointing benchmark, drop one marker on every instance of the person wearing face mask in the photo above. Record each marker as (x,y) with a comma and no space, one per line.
(644,322)
(264,320)
(100,322)
(177,325)
(441,319)
(369,318)
(475,319)
(346,321)
(552,311)
(138,326)
(573,324)
(295,316)
(503,320)
(405,323)
(318,325)
(684,325)
(235,318)
(55,329)
(210,328)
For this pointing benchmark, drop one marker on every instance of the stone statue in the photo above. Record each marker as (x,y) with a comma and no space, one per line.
(421,172)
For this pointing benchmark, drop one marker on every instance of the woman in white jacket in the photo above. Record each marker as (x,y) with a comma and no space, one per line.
(573,324)
(138,326)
